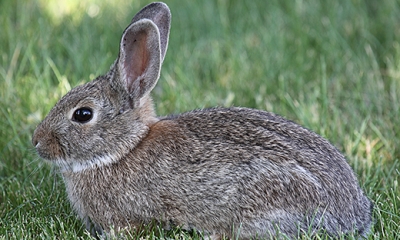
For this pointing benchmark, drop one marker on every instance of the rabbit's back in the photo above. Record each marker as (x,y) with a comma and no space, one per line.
(258,169)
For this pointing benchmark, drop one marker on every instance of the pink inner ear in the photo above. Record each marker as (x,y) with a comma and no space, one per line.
(137,58)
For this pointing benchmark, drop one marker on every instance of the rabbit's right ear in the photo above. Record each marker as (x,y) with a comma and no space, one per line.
(142,49)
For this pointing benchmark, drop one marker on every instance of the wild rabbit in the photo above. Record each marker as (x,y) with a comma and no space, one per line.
(233,172)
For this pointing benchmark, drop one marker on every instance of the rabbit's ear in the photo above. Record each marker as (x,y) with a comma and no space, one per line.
(160,14)
(139,60)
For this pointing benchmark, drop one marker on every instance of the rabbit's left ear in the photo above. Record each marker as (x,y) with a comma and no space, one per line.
(142,49)
(160,15)
(139,61)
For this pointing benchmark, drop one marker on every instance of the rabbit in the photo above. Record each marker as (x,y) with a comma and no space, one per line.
(223,172)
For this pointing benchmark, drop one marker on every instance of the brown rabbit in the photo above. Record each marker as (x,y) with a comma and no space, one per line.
(233,172)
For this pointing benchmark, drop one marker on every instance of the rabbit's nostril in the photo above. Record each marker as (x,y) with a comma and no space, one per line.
(35,141)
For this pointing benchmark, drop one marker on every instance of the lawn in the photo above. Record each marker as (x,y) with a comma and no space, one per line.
(331,66)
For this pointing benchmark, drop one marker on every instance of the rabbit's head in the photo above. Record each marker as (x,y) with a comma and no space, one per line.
(96,123)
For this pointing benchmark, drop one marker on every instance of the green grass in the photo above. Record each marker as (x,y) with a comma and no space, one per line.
(333,67)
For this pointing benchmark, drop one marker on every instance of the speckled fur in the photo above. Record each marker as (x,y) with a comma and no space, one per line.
(236,172)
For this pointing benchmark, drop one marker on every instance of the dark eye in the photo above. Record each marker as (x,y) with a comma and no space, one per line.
(82,115)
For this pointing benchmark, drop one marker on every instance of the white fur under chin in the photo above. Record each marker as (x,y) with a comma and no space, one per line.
(74,166)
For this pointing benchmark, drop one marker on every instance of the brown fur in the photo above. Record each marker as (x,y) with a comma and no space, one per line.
(236,172)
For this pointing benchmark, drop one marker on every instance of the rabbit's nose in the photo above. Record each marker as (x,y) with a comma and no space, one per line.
(35,142)
(35,138)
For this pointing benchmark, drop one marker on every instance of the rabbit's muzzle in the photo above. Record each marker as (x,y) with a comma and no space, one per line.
(47,144)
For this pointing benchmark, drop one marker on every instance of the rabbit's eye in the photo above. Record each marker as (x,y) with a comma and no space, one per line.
(82,115)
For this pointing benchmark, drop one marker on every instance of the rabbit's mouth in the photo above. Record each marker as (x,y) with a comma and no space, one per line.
(72,165)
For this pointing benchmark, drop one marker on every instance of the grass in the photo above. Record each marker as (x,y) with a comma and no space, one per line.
(333,67)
